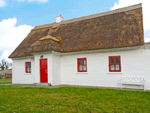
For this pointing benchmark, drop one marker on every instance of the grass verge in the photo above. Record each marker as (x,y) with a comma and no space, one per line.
(72,100)
(6,81)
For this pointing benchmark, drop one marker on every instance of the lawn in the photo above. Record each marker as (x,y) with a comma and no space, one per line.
(6,81)
(72,100)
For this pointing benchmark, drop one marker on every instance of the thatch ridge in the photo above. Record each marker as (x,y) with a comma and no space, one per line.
(124,9)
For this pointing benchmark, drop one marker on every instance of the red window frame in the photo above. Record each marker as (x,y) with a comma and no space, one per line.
(114,64)
(26,68)
(78,65)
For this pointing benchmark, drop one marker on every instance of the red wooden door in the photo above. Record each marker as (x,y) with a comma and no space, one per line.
(43,71)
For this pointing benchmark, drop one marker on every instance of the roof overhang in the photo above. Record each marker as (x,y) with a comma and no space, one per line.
(99,50)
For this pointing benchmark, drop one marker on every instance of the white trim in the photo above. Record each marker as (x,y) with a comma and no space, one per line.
(20,58)
(56,53)
(101,50)
(27,73)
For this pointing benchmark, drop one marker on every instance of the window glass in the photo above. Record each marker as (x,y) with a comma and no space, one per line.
(80,67)
(80,62)
(84,62)
(29,64)
(28,70)
(117,60)
(112,67)
(117,67)
(84,68)
(112,60)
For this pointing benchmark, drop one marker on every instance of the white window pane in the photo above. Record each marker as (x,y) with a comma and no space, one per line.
(117,67)
(80,67)
(112,67)
(84,62)
(30,69)
(84,68)
(27,69)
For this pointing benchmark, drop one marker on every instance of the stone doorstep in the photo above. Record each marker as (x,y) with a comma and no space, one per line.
(42,84)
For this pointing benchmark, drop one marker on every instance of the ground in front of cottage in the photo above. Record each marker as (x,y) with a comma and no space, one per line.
(72,99)
(5,81)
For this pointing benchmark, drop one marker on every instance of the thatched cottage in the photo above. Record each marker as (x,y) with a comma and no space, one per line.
(105,49)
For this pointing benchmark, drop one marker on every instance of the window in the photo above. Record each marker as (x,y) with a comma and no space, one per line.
(82,65)
(114,64)
(28,67)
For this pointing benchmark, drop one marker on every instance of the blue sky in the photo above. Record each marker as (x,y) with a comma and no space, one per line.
(18,17)
(42,13)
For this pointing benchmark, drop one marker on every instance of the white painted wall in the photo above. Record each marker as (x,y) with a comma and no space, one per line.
(133,63)
(19,75)
(18,72)
(56,69)
(63,69)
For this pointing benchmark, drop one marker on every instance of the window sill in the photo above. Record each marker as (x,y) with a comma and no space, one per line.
(114,72)
(27,73)
(82,72)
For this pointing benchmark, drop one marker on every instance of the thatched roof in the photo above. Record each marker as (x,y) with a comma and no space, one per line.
(113,29)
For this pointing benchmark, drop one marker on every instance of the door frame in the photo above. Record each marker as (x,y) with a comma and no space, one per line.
(40,69)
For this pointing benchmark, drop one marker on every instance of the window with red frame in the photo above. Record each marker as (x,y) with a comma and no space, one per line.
(82,65)
(114,64)
(28,67)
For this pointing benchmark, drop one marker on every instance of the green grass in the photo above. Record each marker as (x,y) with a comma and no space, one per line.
(6,81)
(72,100)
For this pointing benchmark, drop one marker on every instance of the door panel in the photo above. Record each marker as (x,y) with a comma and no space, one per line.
(43,71)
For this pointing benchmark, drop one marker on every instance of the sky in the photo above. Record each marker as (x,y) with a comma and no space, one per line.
(18,17)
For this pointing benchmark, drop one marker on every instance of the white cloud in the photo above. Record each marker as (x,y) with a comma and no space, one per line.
(145,5)
(39,1)
(11,36)
(5,55)
(3,3)
(147,39)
